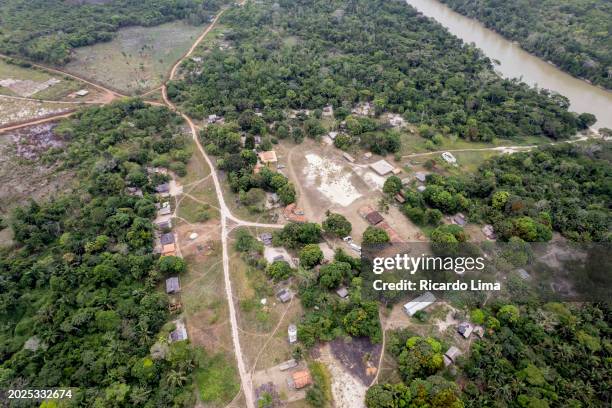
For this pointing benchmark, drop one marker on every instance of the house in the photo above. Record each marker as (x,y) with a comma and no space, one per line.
(168,250)
(134,191)
(421,188)
(180,333)
(163,188)
(197,59)
(479,331)
(266,238)
(348,157)
(82,92)
(342,292)
(459,219)
(164,224)
(489,232)
(396,171)
(396,120)
(284,295)
(374,218)
(449,158)
(287,365)
(292,333)
(382,167)
(419,303)
(212,119)
(300,379)
(173,285)
(400,198)
(465,329)
(294,214)
(523,274)
(164,210)
(166,239)
(419,175)
(268,157)
(451,355)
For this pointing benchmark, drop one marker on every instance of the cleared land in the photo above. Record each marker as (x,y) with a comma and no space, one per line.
(137,59)
(14,111)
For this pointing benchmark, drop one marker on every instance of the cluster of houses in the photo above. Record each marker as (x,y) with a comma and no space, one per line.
(165,245)
(465,329)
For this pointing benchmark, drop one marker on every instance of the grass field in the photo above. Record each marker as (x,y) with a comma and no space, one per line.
(35,79)
(13,111)
(138,58)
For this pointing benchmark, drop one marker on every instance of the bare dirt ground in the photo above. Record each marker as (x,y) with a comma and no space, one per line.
(326,181)
(348,391)
(22,175)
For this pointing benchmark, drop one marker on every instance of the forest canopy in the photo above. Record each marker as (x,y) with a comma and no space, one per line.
(574,34)
(47,30)
(293,55)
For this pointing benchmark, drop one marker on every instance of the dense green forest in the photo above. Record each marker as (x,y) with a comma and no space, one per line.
(565,188)
(574,34)
(47,30)
(306,54)
(80,303)
(531,356)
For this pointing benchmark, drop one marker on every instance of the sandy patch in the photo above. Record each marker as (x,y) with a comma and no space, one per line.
(27,88)
(330,179)
(348,391)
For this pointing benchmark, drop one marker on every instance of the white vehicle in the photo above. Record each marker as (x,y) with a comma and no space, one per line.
(348,239)
(355,247)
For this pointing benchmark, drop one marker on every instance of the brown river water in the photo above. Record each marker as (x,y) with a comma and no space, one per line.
(518,63)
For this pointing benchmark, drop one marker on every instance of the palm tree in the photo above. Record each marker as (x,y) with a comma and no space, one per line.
(176,378)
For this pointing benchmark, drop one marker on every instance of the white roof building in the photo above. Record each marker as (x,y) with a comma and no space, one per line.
(449,158)
(419,303)
(382,167)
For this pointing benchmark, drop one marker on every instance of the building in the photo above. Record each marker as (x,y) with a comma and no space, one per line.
(396,171)
(523,274)
(459,219)
(382,167)
(328,110)
(167,238)
(284,295)
(268,157)
(266,238)
(292,332)
(164,210)
(449,158)
(348,157)
(134,191)
(374,218)
(400,198)
(421,188)
(419,175)
(168,250)
(419,303)
(173,285)
(300,379)
(164,224)
(342,292)
(451,355)
(465,329)
(367,155)
(489,232)
(212,119)
(289,364)
(163,188)
(82,92)
(180,333)
(363,109)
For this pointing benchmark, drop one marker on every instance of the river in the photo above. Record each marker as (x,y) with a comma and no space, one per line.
(518,63)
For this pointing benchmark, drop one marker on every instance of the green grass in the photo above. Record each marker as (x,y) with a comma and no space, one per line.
(138,58)
(216,379)
(55,92)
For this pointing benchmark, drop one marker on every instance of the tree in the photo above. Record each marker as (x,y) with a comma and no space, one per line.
(337,224)
(373,236)
(332,274)
(171,265)
(420,358)
(279,270)
(392,186)
(310,256)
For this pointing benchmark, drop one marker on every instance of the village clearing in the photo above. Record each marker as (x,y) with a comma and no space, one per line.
(137,59)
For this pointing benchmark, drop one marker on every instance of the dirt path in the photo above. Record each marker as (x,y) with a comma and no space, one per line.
(51,118)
